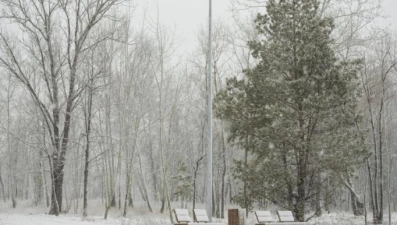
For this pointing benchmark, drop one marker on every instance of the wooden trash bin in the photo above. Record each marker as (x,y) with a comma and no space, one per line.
(236,217)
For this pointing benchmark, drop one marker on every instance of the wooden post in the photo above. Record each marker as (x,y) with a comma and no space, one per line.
(236,217)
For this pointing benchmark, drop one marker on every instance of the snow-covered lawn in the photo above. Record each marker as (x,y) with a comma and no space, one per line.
(73,219)
(153,219)
(27,214)
(341,218)
(44,219)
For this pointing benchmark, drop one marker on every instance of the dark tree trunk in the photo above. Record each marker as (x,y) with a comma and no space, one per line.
(57,185)
(301,198)
(2,188)
(14,202)
(60,147)
(149,206)
(130,201)
(327,199)
(214,206)
(106,212)
(113,201)
(357,205)
(215,199)
(300,205)
(120,194)
(125,203)
(196,169)
(245,182)
(318,194)
(162,203)
(230,191)
(223,178)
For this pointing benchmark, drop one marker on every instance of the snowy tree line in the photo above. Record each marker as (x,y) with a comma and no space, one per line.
(96,103)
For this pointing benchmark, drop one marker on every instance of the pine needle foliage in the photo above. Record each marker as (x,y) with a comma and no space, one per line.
(295,111)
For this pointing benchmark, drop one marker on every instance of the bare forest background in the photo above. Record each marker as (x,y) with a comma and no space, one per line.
(98,103)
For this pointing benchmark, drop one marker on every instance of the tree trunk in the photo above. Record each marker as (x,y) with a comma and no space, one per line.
(194,186)
(357,205)
(301,199)
(113,201)
(197,167)
(153,169)
(57,185)
(214,206)
(2,187)
(144,191)
(162,204)
(327,199)
(106,212)
(60,146)
(245,182)
(119,202)
(88,115)
(223,188)
(45,187)
(126,202)
(131,201)
(10,158)
(318,194)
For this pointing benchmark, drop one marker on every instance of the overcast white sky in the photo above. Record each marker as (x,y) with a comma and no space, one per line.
(390,7)
(187,15)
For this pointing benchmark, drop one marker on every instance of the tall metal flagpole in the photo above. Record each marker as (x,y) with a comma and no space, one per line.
(209,110)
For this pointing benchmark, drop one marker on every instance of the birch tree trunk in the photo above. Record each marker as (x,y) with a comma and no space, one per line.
(11,168)
(87,120)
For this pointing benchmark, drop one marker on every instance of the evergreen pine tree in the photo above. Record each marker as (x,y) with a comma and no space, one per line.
(295,110)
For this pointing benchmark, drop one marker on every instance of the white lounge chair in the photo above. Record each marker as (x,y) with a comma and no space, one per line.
(265,218)
(287,218)
(200,216)
(182,216)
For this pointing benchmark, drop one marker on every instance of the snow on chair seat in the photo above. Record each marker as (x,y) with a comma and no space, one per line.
(287,218)
(265,218)
(182,216)
(201,217)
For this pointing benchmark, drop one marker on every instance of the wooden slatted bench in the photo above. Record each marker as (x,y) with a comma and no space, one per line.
(287,218)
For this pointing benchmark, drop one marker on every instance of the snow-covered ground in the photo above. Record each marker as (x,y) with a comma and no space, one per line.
(153,219)
(44,219)
(74,219)
(26,214)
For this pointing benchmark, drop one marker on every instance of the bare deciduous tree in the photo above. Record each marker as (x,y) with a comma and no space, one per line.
(377,81)
(54,36)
